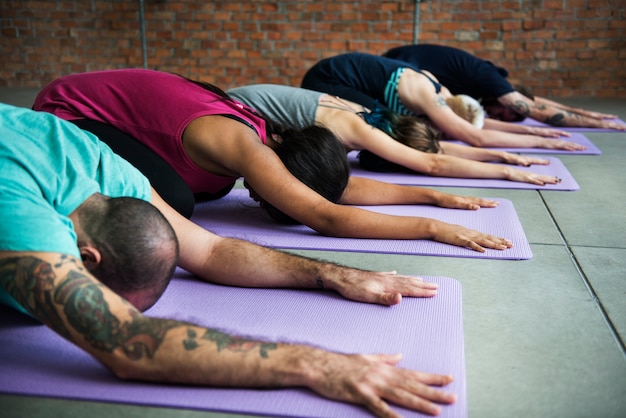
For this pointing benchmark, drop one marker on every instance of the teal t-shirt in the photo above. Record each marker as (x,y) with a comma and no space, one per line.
(48,167)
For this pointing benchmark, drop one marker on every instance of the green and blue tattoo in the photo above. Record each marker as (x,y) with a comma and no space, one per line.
(31,282)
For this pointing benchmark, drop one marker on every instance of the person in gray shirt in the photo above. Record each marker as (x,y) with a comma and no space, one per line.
(402,141)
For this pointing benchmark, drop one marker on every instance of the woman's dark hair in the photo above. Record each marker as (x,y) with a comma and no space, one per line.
(317,158)
(313,155)
(414,132)
(208,86)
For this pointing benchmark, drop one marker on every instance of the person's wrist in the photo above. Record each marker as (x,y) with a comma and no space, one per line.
(504,157)
(306,370)
(507,172)
(434,197)
(332,277)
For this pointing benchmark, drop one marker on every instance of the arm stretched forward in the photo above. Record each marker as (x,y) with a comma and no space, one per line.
(57,289)
(419,96)
(456,161)
(210,257)
(556,114)
(241,152)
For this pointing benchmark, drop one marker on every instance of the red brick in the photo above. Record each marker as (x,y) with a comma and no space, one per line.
(278,41)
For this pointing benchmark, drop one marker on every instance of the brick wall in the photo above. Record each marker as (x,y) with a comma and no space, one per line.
(560,48)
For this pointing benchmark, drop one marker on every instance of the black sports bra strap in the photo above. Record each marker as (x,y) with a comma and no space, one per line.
(238,119)
(435,83)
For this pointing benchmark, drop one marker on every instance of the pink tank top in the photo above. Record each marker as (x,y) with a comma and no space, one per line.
(151,106)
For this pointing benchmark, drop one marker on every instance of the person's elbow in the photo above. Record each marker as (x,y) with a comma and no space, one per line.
(475,138)
(434,166)
(127,365)
(327,221)
(124,368)
(332,228)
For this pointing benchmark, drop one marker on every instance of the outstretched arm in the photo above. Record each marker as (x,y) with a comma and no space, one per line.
(242,153)
(457,128)
(210,257)
(485,155)
(584,112)
(556,114)
(419,96)
(57,289)
(516,128)
(362,191)
(456,161)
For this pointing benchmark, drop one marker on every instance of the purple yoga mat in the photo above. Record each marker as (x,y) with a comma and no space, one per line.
(576,137)
(429,333)
(555,168)
(238,216)
(533,122)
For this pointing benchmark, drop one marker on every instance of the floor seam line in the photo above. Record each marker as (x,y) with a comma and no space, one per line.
(585,279)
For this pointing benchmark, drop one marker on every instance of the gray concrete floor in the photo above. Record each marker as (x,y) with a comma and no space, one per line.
(543,337)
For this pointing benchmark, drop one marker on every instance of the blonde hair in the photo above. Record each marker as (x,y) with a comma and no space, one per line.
(467,108)
(416,133)
(411,131)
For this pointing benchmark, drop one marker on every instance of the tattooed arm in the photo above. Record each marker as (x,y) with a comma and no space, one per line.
(584,112)
(58,290)
(455,127)
(419,96)
(554,114)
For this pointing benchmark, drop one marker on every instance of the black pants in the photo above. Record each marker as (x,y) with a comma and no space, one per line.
(168,184)
(318,82)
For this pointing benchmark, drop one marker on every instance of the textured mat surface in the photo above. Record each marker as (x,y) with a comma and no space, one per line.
(576,137)
(555,168)
(238,216)
(429,333)
(533,122)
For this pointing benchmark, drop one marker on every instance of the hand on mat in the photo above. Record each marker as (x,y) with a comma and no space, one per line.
(451,201)
(561,144)
(532,178)
(523,160)
(606,124)
(594,115)
(384,288)
(370,380)
(548,132)
(468,238)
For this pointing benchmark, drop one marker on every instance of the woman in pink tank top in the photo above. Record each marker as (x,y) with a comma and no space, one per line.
(210,140)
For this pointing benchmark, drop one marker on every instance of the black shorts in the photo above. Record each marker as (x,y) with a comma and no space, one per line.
(168,184)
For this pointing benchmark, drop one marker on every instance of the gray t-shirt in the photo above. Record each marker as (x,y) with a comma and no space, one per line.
(291,107)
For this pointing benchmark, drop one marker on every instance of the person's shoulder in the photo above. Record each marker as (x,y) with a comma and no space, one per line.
(277,89)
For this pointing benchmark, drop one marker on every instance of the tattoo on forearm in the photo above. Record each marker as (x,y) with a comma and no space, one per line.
(89,313)
(440,101)
(560,119)
(557,119)
(521,107)
(190,343)
(228,342)
(66,259)
(31,282)
(141,338)
(320,283)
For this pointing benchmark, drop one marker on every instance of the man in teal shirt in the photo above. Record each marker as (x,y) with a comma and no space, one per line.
(78,242)
(48,179)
